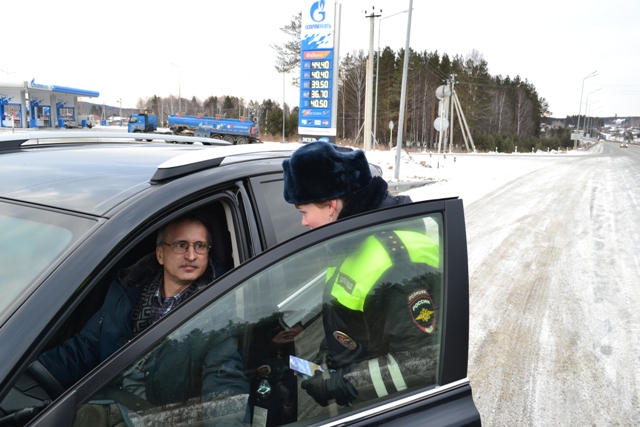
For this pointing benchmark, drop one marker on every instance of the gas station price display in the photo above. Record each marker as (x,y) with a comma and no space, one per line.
(316,83)
(318,67)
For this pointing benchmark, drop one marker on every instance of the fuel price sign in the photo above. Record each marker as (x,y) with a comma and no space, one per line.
(317,68)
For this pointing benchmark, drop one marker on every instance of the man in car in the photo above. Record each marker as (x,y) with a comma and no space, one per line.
(138,297)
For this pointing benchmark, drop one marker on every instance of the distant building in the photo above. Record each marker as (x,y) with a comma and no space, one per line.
(30,104)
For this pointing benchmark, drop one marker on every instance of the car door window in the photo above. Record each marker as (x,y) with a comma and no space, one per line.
(366,305)
(284,220)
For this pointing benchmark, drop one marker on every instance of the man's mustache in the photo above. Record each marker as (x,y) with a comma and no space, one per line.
(190,264)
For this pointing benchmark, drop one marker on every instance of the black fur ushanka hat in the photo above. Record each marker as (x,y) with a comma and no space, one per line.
(321,171)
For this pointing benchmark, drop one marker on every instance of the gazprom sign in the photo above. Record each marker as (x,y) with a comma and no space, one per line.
(318,66)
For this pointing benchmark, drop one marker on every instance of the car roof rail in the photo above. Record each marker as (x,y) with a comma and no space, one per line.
(32,138)
(204,159)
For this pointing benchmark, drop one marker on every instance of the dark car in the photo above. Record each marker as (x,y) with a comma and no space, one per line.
(76,207)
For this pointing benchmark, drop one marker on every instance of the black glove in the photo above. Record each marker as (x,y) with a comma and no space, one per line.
(334,387)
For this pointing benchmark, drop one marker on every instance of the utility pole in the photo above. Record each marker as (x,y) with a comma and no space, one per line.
(403,91)
(375,102)
(451,111)
(369,94)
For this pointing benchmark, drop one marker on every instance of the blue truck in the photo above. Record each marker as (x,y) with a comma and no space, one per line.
(236,131)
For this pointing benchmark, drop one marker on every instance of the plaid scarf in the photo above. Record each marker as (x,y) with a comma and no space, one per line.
(149,309)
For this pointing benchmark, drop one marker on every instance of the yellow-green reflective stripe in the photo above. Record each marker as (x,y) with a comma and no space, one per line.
(421,248)
(364,267)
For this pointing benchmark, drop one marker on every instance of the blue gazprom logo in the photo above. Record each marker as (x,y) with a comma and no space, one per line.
(35,85)
(317,11)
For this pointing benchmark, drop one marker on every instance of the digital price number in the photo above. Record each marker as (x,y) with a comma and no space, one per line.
(319,84)
(319,94)
(319,103)
(321,64)
(320,74)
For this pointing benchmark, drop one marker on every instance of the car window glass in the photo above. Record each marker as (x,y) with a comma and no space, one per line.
(366,305)
(285,217)
(30,243)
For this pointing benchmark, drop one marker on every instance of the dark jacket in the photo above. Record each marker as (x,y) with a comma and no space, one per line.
(395,327)
(373,196)
(110,328)
(386,332)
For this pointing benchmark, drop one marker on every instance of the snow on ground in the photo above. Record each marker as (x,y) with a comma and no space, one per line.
(553,266)
(466,175)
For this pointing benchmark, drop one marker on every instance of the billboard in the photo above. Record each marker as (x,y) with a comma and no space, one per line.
(318,67)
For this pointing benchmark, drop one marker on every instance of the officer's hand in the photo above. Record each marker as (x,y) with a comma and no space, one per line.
(334,387)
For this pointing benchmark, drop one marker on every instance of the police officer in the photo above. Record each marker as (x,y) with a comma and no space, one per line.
(381,301)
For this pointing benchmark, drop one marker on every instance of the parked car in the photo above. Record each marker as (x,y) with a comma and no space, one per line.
(77,206)
(70,124)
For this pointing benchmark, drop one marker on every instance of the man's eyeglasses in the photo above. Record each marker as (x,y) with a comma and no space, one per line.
(181,247)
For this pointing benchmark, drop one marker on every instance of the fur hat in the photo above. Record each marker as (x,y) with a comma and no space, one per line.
(321,171)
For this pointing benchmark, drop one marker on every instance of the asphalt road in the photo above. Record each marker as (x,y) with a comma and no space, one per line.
(554,264)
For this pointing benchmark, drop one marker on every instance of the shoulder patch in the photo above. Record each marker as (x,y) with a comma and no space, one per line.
(345,340)
(422,310)
(346,282)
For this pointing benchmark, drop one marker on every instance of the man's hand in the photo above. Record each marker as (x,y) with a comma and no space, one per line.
(323,389)
(288,335)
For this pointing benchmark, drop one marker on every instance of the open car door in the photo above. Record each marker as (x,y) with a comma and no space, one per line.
(248,349)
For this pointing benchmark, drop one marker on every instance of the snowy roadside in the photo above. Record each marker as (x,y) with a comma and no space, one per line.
(468,176)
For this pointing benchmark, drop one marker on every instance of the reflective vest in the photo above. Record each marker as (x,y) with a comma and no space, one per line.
(362,269)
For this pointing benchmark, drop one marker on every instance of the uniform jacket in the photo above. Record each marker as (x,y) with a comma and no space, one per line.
(373,196)
(387,330)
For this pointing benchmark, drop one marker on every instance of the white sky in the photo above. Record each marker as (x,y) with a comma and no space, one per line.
(126,49)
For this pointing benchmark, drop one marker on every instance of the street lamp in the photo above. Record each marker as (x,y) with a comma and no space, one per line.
(120,101)
(7,73)
(589,121)
(283,67)
(375,110)
(283,105)
(580,109)
(587,102)
(179,89)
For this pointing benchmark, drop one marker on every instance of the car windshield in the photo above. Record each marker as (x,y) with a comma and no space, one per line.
(32,240)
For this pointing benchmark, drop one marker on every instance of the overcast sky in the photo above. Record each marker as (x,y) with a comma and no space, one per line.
(125,49)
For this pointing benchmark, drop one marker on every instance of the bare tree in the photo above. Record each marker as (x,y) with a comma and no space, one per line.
(288,53)
(171,104)
(354,85)
(522,109)
(499,101)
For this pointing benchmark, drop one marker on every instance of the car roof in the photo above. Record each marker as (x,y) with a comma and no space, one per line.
(92,178)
